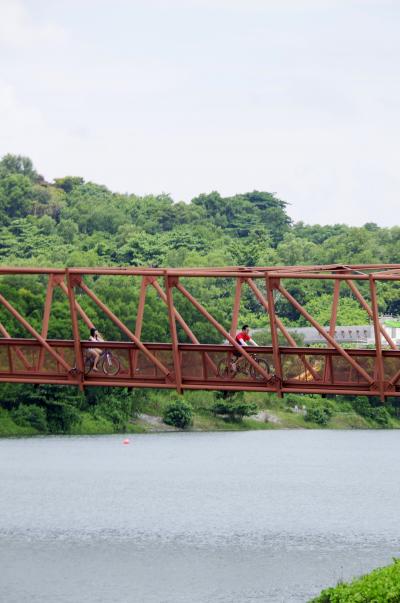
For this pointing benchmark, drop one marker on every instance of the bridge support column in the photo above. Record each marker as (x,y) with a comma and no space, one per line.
(328,369)
(272,284)
(378,345)
(72,281)
(134,354)
(236,306)
(170,282)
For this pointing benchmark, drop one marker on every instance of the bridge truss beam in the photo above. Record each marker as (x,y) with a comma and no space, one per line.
(173,364)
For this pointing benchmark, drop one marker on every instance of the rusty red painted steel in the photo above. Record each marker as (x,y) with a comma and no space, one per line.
(377,333)
(324,333)
(169,284)
(280,325)
(124,329)
(190,383)
(192,360)
(33,332)
(270,285)
(223,331)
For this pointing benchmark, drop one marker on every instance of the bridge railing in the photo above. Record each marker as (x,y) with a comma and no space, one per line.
(202,366)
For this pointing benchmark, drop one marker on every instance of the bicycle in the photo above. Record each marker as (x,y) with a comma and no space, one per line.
(226,368)
(108,363)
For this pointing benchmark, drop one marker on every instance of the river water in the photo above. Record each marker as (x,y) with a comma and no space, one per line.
(271,516)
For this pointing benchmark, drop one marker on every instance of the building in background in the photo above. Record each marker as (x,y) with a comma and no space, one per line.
(359,334)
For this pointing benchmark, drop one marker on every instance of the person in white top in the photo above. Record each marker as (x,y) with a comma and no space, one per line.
(95,352)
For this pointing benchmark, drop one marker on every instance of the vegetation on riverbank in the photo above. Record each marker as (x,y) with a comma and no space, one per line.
(380,586)
(71,222)
(30,410)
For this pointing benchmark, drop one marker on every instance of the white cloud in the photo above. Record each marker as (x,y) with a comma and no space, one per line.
(14,117)
(210,95)
(19,30)
(25,129)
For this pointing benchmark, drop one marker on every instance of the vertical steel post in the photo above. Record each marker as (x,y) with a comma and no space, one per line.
(134,354)
(270,283)
(46,317)
(328,369)
(140,310)
(5,333)
(377,332)
(236,307)
(75,327)
(169,284)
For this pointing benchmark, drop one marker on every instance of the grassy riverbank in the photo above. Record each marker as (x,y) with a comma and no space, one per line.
(380,586)
(143,411)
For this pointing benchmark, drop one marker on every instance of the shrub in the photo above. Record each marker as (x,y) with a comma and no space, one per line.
(62,417)
(312,401)
(30,415)
(362,406)
(318,415)
(381,416)
(296,400)
(178,413)
(234,410)
(381,586)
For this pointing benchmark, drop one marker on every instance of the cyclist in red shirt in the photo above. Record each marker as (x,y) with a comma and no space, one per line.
(243,338)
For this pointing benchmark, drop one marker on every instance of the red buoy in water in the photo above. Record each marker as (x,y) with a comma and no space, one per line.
(126,441)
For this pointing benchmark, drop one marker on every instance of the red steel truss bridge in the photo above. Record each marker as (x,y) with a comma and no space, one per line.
(281,367)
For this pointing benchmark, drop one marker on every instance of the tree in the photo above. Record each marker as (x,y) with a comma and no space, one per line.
(178,413)
(68,230)
(68,183)
(18,164)
(349,311)
(30,416)
(15,195)
(318,415)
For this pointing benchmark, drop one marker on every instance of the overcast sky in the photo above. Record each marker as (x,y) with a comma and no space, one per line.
(296,97)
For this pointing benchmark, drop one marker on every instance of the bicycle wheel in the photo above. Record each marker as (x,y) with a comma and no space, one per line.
(254,374)
(111,365)
(224,369)
(88,365)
